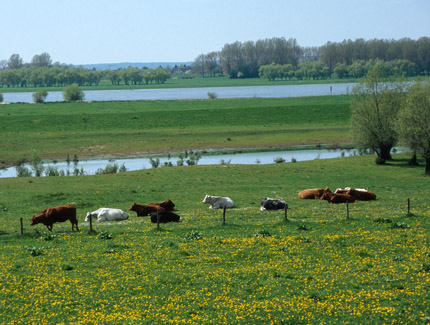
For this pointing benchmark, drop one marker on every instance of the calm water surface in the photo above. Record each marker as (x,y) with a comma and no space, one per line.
(195,93)
(91,166)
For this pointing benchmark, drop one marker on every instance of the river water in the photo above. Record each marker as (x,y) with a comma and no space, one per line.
(194,93)
(91,166)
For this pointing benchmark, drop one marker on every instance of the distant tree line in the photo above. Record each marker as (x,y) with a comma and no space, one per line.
(317,70)
(136,76)
(345,59)
(42,73)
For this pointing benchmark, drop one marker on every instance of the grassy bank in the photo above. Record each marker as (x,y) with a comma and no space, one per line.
(189,82)
(318,267)
(55,130)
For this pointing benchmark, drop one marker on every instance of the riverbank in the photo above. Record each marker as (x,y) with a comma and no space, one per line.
(251,156)
(192,82)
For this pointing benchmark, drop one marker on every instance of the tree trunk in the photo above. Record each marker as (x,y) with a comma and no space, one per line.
(386,153)
(428,166)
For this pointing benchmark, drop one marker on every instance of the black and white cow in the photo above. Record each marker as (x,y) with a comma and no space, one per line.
(272,204)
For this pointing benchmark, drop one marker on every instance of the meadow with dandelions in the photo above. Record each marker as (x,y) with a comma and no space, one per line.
(315,267)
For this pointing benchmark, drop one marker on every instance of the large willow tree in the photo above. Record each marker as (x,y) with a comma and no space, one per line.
(375,105)
(414,121)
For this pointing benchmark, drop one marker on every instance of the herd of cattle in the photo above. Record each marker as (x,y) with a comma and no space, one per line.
(163,211)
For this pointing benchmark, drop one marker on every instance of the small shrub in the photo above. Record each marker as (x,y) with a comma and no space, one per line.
(279,160)
(73,93)
(52,171)
(193,158)
(225,162)
(383,220)
(104,235)
(293,160)
(155,162)
(66,267)
(111,168)
(193,235)
(262,233)
(302,227)
(36,251)
(37,165)
(212,95)
(78,172)
(399,225)
(40,96)
(48,236)
(22,171)
(1,98)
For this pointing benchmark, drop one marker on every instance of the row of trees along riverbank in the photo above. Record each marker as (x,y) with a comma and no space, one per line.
(244,59)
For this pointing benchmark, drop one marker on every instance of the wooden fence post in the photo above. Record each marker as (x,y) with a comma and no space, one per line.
(347,210)
(91,224)
(285,209)
(223,215)
(22,227)
(409,205)
(158,220)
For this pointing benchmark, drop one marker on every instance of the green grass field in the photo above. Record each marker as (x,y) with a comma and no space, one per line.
(55,130)
(187,82)
(316,268)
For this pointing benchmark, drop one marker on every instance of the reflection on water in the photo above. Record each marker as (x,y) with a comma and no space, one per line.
(90,167)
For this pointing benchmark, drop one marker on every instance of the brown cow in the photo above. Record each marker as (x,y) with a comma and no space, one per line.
(167,204)
(336,198)
(143,210)
(313,193)
(360,194)
(52,215)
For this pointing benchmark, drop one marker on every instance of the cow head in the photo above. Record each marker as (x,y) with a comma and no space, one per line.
(326,194)
(207,199)
(133,207)
(35,220)
(167,204)
(88,216)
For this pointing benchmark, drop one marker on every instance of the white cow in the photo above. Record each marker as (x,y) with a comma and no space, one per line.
(218,202)
(107,214)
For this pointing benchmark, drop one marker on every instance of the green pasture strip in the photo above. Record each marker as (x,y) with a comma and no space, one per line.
(318,267)
(55,130)
(194,82)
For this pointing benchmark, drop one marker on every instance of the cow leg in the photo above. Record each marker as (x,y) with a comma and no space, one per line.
(49,227)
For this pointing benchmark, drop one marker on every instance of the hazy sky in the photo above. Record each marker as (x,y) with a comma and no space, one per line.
(111,31)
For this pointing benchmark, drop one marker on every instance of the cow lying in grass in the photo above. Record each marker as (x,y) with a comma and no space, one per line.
(272,204)
(107,214)
(218,202)
(313,193)
(360,194)
(336,198)
(164,216)
(52,215)
(143,210)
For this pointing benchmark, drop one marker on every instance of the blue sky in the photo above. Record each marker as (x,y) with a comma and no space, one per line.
(111,31)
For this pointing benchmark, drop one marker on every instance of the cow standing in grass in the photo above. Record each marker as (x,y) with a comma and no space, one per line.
(52,215)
